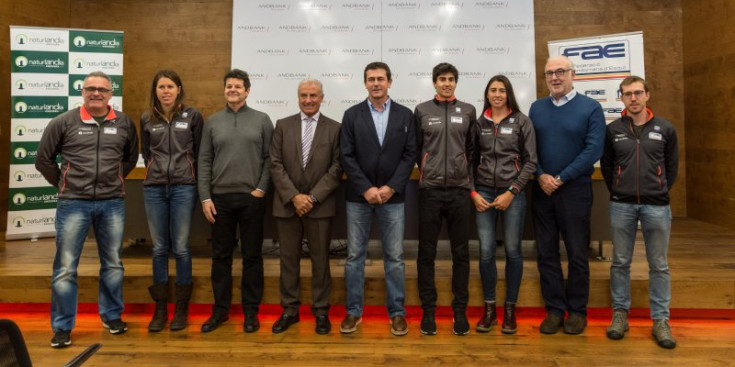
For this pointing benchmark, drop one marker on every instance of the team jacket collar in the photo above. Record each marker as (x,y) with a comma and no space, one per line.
(649,114)
(88,119)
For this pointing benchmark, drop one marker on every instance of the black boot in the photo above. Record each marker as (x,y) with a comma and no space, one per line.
(509,319)
(489,319)
(159,293)
(181,314)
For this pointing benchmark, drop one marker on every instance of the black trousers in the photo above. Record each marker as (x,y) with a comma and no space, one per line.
(566,211)
(247,212)
(435,205)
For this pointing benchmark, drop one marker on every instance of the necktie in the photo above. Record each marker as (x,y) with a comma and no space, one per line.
(306,140)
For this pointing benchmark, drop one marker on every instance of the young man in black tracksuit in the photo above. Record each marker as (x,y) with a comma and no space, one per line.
(445,129)
(640,164)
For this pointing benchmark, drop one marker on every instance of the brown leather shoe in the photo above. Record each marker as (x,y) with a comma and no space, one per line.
(575,323)
(551,324)
(349,324)
(398,326)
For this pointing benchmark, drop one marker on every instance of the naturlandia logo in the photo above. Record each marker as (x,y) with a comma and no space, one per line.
(21,61)
(23,39)
(78,85)
(80,41)
(19,198)
(21,176)
(21,130)
(20,153)
(22,84)
(19,222)
(80,63)
(22,107)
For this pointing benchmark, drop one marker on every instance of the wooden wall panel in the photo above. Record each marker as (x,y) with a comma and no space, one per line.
(39,13)
(709,66)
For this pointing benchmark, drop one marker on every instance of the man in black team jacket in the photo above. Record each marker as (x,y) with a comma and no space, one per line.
(639,164)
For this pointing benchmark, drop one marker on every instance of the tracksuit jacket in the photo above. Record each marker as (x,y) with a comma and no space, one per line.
(170,149)
(640,170)
(95,158)
(445,132)
(506,151)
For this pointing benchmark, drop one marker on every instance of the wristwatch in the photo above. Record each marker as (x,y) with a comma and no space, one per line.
(513,190)
(558,178)
(313,199)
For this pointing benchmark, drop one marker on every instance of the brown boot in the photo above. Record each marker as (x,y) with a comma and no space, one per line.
(509,319)
(159,293)
(488,318)
(181,314)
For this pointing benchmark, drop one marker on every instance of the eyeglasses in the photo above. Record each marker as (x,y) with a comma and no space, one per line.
(97,89)
(637,94)
(558,72)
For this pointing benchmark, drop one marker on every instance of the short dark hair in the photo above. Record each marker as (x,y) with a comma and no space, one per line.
(377,65)
(238,74)
(510,102)
(632,79)
(444,68)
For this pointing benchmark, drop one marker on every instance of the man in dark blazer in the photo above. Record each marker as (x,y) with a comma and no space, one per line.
(305,171)
(378,151)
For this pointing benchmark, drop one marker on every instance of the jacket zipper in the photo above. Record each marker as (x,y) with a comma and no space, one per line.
(495,153)
(446,141)
(97,162)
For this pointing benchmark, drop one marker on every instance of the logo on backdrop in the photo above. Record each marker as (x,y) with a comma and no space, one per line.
(447,51)
(253,28)
(447,4)
(493,50)
(80,41)
(468,27)
(292,76)
(403,5)
(424,27)
(315,51)
(381,28)
(337,28)
(516,74)
(357,51)
(310,5)
(471,75)
(274,7)
(513,27)
(491,4)
(295,28)
(358,6)
(404,51)
(336,76)
(21,107)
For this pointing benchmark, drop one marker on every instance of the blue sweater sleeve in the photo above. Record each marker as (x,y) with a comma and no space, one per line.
(593,146)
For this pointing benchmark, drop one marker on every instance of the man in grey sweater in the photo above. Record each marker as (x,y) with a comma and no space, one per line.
(233,177)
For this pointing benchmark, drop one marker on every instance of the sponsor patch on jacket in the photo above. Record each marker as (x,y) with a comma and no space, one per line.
(456,119)
(110,130)
(506,130)
(185,114)
(487,132)
(655,136)
(657,128)
(433,120)
(84,130)
(458,109)
(181,125)
(512,120)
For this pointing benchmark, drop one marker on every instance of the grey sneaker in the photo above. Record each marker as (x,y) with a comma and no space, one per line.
(662,333)
(618,325)
(115,326)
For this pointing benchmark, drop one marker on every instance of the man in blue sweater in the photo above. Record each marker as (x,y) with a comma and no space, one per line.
(570,133)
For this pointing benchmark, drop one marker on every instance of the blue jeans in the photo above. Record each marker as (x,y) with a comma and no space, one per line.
(392,224)
(513,220)
(73,219)
(656,227)
(169,209)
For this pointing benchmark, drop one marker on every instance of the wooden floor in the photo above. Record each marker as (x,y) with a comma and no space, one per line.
(702,262)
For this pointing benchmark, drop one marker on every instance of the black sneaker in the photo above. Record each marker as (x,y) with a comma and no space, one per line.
(61,339)
(116,326)
(428,325)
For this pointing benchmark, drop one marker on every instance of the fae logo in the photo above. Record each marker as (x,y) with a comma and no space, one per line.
(21,107)
(598,95)
(80,41)
(594,52)
(21,61)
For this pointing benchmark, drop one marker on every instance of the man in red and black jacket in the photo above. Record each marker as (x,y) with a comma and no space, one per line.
(639,164)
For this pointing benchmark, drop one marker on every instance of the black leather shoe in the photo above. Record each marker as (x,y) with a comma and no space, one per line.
(214,322)
(323,326)
(283,323)
(251,323)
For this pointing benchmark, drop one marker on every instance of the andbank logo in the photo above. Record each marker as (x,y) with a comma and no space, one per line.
(424,27)
(403,5)
(447,51)
(19,198)
(468,27)
(358,51)
(274,7)
(407,101)
(358,6)
(493,50)
(491,4)
(253,28)
(404,51)
(292,75)
(381,27)
(597,51)
(79,41)
(21,107)
(294,28)
(420,74)
(516,74)
(511,27)
(336,76)
(315,6)
(258,76)
(472,75)
(449,4)
(315,51)
(337,28)
(275,103)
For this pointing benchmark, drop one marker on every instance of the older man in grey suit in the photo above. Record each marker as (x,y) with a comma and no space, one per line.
(305,170)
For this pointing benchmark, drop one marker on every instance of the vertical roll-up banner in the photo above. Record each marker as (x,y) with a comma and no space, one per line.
(47,71)
(602,62)
(281,42)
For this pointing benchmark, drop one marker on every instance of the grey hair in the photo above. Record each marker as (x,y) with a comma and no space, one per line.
(312,81)
(98,74)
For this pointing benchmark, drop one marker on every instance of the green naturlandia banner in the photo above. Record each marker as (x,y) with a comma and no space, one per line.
(47,71)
